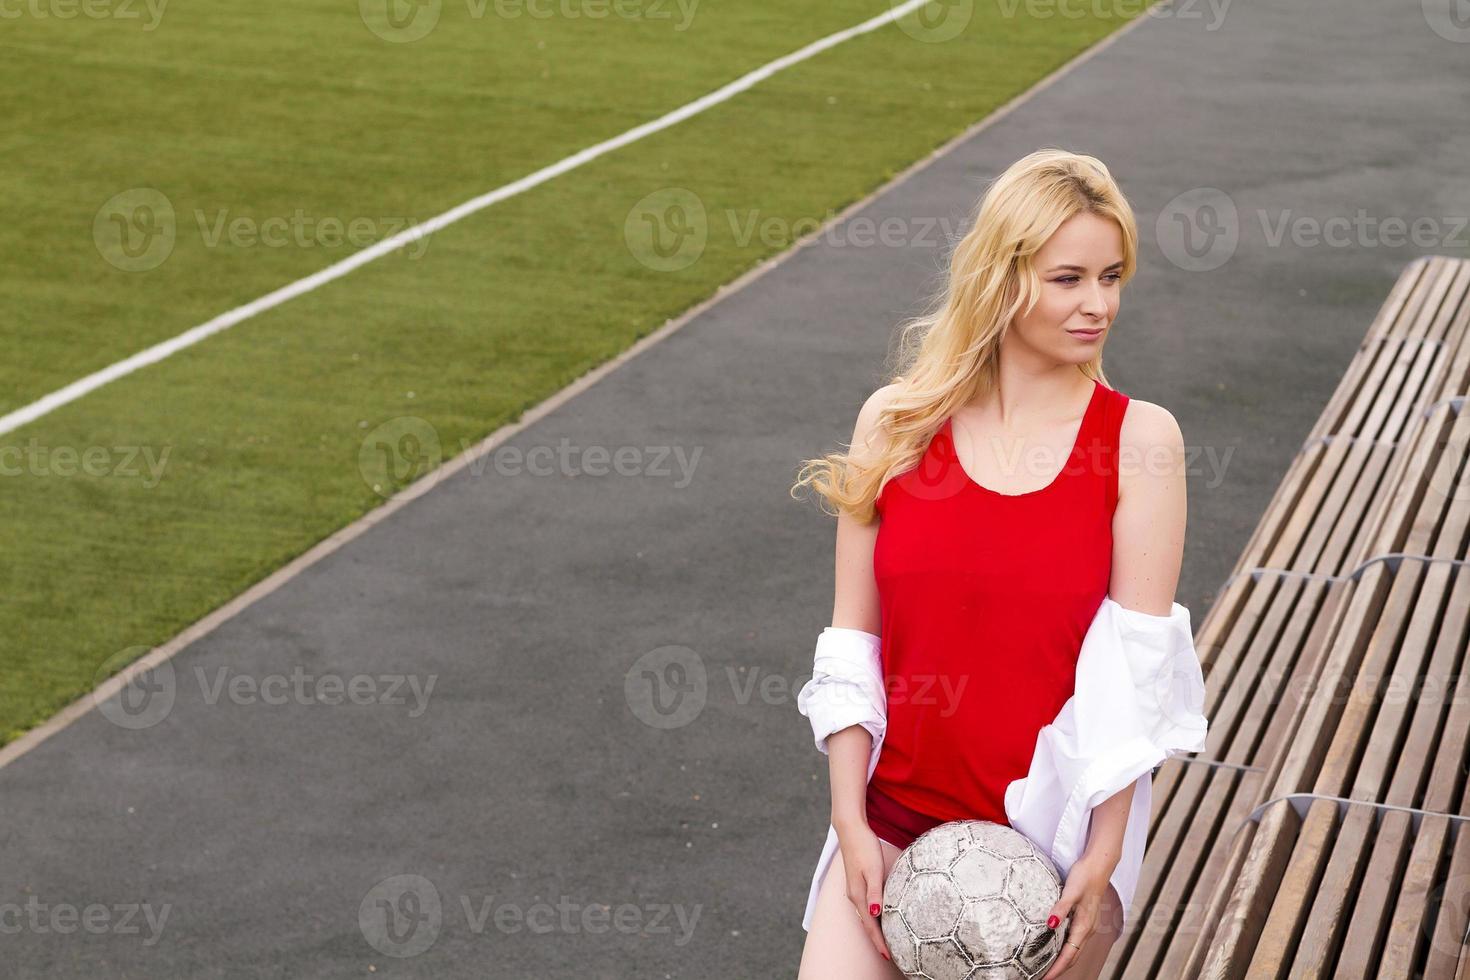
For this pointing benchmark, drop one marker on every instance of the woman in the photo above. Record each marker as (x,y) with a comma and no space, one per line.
(997,500)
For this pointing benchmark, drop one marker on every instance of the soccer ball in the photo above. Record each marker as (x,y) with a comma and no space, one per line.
(968,900)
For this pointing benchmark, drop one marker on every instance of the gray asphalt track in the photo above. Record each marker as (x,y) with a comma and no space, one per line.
(533,789)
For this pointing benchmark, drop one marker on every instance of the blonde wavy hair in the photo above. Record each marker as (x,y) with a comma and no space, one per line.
(948,356)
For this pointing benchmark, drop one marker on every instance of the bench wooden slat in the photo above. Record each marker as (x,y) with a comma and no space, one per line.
(1418,345)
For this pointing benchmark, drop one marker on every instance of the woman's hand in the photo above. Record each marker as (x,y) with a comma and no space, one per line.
(862,860)
(1082,895)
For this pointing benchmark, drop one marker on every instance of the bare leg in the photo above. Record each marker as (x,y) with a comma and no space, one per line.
(836,945)
(1094,955)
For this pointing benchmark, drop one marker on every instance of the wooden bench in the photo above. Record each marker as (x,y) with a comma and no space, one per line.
(1313,611)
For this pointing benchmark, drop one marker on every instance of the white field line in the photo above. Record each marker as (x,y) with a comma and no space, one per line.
(338,540)
(337,270)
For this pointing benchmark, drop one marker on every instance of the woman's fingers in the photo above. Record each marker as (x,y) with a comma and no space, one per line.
(875,933)
(867,898)
(862,855)
(875,906)
(1064,961)
(1084,921)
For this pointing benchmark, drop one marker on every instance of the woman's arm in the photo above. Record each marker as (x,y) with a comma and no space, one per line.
(1148,550)
(855,606)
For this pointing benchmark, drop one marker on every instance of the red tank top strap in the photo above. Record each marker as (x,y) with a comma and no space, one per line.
(1106,442)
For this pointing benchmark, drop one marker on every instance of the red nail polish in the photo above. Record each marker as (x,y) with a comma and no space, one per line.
(1051,923)
(874,909)
(887,957)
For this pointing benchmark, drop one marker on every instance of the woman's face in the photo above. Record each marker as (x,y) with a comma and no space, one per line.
(1080,268)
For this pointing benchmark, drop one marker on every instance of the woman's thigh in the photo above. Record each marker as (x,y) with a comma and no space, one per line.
(837,945)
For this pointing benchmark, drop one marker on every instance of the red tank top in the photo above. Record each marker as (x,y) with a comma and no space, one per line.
(985,598)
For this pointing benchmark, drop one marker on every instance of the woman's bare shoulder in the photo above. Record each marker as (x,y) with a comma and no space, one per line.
(1149,427)
(1151,449)
(867,437)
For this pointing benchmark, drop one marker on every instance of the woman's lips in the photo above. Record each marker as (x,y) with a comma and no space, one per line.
(1088,334)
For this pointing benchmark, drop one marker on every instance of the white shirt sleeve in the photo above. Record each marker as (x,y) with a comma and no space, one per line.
(846,688)
(1138,699)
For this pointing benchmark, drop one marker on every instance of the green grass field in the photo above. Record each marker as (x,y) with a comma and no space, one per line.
(236,116)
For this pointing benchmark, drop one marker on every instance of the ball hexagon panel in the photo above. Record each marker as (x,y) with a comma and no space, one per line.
(943,958)
(979,873)
(931,905)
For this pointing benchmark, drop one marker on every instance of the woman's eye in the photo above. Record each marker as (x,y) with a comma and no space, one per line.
(1114,276)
